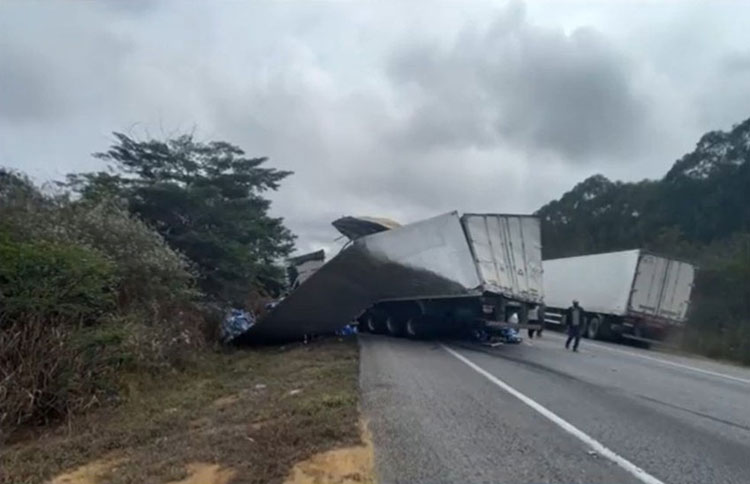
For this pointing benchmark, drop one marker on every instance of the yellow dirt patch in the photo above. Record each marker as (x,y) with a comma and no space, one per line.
(350,465)
(202,473)
(226,401)
(90,473)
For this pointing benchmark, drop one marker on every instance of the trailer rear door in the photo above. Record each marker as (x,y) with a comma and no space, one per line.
(662,287)
(508,254)
(676,293)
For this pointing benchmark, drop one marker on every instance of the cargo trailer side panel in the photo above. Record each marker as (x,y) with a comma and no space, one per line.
(421,260)
(507,251)
(600,282)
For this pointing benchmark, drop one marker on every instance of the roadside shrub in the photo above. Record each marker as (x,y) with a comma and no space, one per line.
(53,281)
(719,325)
(50,369)
(38,374)
(88,293)
(149,272)
(46,291)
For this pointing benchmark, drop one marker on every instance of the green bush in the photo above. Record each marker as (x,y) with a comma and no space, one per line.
(149,272)
(719,324)
(53,281)
(87,293)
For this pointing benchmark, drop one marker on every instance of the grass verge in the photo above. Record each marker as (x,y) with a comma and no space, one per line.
(245,416)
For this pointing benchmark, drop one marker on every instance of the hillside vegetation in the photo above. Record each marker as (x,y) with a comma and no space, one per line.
(118,273)
(700,211)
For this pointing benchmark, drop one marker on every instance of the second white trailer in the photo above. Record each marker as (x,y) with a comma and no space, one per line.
(633,293)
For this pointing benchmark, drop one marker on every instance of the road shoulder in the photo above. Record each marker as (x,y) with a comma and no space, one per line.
(248,415)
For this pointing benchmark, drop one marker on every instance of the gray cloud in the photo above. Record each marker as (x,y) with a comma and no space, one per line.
(50,68)
(25,92)
(533,87)
(377,108)
(737,63)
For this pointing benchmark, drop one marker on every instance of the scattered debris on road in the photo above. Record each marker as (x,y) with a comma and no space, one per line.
(236,323)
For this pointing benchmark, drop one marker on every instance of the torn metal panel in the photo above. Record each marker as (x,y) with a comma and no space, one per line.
(356,227)
(303,266)
(318,255)
(421,260)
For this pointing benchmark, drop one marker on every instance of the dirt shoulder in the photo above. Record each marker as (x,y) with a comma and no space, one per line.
(270,414)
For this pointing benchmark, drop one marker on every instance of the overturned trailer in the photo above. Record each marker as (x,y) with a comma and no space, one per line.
(446,272)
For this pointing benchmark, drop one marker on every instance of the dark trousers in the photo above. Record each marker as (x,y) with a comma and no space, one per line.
(537,331)
(574,332)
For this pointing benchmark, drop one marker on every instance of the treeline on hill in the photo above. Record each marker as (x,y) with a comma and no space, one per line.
(699,211)
(118,272)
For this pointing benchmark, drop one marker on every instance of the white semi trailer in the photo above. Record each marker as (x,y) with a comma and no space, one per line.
(469,272)
(500,256)
(632,294)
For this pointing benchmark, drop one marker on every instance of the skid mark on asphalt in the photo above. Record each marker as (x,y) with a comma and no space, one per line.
(693,412)
(594,444)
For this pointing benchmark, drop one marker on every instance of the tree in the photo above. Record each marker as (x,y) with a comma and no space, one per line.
(206,199)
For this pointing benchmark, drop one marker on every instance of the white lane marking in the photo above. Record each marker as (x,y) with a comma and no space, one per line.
(671,363)
(599,448)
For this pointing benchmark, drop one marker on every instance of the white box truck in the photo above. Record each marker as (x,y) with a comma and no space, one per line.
(633,294)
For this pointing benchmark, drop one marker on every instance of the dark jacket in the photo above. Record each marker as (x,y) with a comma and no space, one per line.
(569,316)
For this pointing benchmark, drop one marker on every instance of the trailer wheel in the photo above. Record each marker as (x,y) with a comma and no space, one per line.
(418,327)
(594,328)
(411,328)
(375,322)
(395,325)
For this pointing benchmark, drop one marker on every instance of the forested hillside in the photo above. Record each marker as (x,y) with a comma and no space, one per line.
(700,210)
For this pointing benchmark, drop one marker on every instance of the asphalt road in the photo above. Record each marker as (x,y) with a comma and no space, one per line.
(536,413)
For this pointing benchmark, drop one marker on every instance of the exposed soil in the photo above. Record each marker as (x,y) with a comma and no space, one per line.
(349,465)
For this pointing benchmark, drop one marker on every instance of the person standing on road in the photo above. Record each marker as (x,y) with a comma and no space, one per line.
(537,315)
(574,317)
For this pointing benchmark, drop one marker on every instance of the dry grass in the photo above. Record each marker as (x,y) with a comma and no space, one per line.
(253,412)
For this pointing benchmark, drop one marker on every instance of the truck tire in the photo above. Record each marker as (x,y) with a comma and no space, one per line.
(594,329)
(395,325)
(375,322)
(417,327)
(412,331)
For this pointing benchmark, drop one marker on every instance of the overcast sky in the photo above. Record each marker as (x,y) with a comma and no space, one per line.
(403,109)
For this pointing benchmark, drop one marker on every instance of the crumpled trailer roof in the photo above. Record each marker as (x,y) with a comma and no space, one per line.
(425,259)
(356,227)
